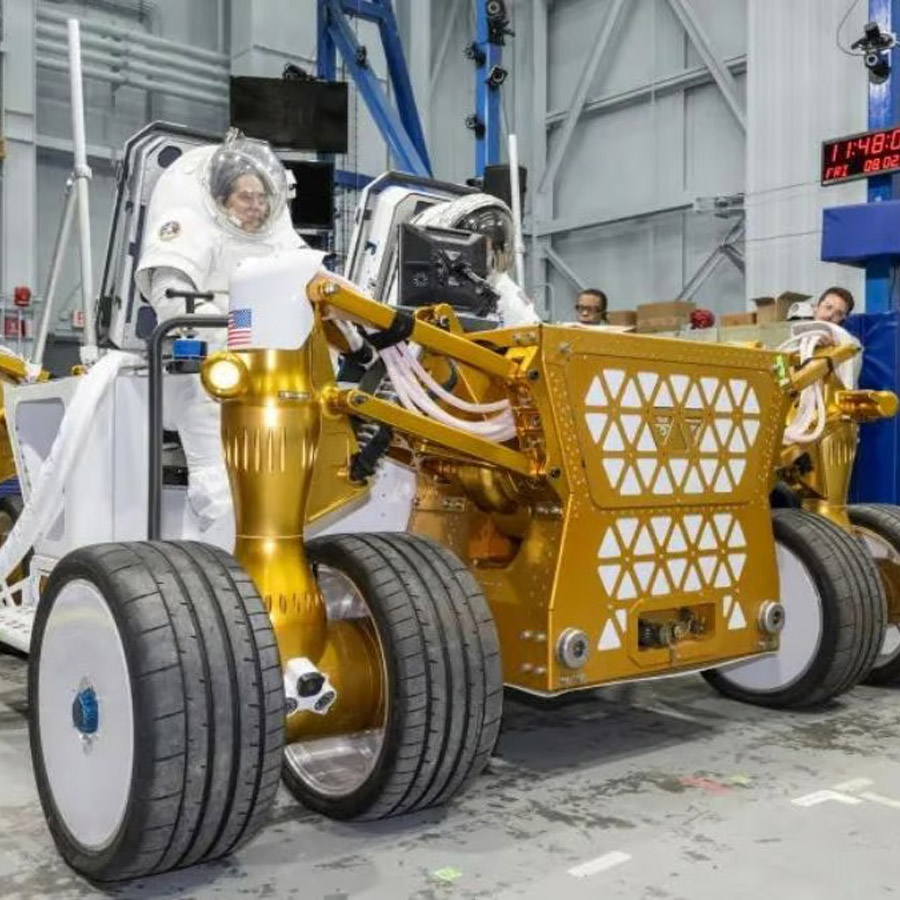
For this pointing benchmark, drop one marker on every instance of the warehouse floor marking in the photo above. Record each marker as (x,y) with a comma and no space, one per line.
(850,793)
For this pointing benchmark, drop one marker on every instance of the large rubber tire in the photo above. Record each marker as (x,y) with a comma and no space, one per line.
(880,524)
(838,592)
(178,650)
(441,663)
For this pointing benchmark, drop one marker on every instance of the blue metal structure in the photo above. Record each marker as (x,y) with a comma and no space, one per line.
(487,53)
(882,288)
(400,128)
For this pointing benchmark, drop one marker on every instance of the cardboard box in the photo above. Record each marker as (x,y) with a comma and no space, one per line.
(666,309)
(661,323)
(730,320)
(775,309)
(622,317)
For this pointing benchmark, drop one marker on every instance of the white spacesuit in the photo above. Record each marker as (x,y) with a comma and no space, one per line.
(490,216)
(212,208)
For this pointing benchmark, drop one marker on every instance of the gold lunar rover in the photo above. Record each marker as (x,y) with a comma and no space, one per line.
(589,508)
(608,520)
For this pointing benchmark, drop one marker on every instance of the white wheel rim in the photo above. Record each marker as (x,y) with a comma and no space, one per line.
(881,549)
(799,640)
(89,774)
(338,766)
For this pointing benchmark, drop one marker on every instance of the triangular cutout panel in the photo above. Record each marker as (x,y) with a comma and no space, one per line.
(630,425)
(738,391)
(613,442)
(596,422)
(609,640)
(679,386)
(678,467)
(645,443)
(709,386)
(693,484)
(694,400)
(751,405)
(737,621)
(676,566)
(660,584)
(648,381)
(676,540)
(614,379)
(707,538)
(692,527)
(644,572)
(596,396)
(660,526)
(663,397)
(663,484)
(709,443)
(643,546)
(627,589)
(613,469)
(707,568)
(736,540)
(609,547)
(736,561)
(631,487)
(723,430)
(737,466)
(631,399)
(627,530)
(751,427)
(723,481)
(647,467)
(692,580)
(609,575)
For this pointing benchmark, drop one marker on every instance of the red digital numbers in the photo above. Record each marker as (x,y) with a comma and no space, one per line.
(861,156)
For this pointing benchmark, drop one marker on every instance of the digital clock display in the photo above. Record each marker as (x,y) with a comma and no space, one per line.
(861,156)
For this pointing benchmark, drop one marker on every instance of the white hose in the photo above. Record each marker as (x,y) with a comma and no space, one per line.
(445,395)
(809,423)
(414,397)
(46,496)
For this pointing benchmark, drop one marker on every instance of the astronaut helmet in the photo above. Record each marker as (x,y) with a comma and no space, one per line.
(246,184)
(479,214)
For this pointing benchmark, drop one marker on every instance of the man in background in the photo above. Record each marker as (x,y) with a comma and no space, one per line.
(834,305)
(590,307)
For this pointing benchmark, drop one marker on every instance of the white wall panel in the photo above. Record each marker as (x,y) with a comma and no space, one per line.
(801,91)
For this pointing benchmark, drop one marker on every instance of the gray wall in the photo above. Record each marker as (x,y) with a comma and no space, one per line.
(803,90)
(652,149)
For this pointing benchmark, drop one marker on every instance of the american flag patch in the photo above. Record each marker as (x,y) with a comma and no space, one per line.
(239,327)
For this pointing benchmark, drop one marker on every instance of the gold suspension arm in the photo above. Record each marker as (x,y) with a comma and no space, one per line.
(337,296)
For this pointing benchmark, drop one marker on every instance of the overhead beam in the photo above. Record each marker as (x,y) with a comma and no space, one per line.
(661,87)
(605,36)
(597,220)
(712,60)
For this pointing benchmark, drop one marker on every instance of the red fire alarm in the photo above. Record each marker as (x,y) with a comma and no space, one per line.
(22,295)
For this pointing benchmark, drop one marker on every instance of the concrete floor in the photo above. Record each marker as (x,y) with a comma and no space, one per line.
(662,791)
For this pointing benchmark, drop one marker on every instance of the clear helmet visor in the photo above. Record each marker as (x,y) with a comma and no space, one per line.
(247,185)
(496,224)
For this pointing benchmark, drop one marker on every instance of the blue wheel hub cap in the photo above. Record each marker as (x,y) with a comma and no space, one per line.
(86,711)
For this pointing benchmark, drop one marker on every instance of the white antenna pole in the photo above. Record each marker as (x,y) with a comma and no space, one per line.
(82,175)
(516,198)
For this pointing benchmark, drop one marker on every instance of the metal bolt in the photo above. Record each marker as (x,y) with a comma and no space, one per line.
(555,472)
(533,375)
(330,288)
(358,400)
